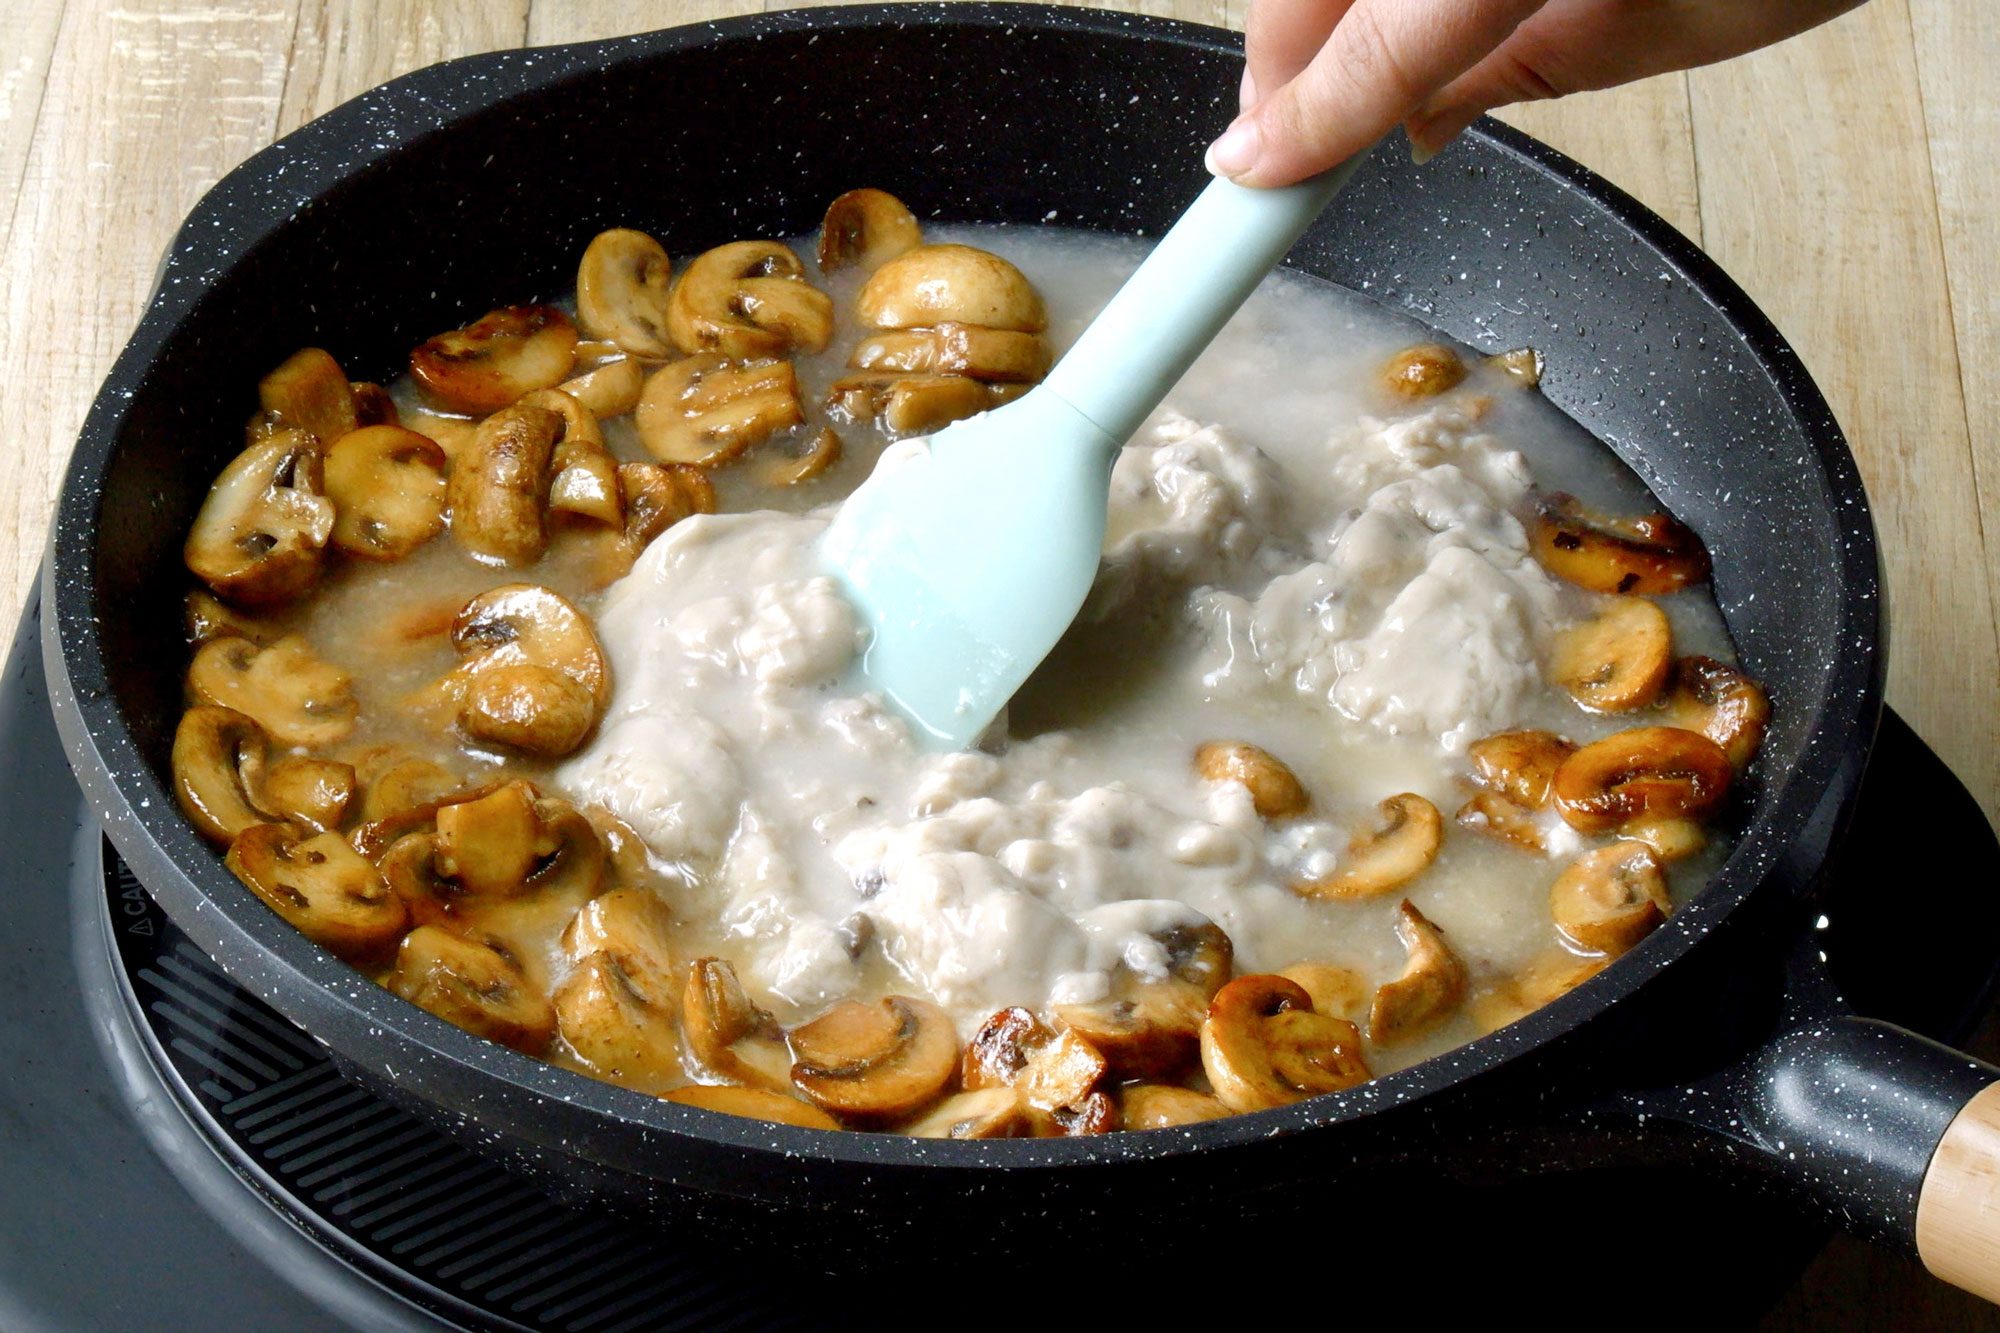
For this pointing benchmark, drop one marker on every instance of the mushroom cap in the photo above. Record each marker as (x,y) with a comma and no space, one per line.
(1335,990)
(1385,858)
(309,791)
(1274,789)
(938,284)
(295,696)
(728,1033)
(1164,1106)
(620,1026)
(387,486)
(659,495)
(211,748)
(822,452)
(706,409)
(1150,1027)
(499,485)
(1262,1045)
(621,292)
(526,707)
(1617,660)
(260,536)
(1609,899)
(868,228)
(1652,555)
(753,1104)
(1645,773)
(519,624)
(1422,371)
(584,475)
(1723,704)
(497,358)
(610,390)
(1432,985)
(986,1113)
(477,985)
(876,1060)
(309,392)
(1519,765)
(956,349)
(322,886)
(748,299)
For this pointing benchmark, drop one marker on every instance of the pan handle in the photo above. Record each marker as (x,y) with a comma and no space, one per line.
(1892,1134)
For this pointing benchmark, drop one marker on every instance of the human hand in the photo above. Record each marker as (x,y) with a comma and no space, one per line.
(1327,78)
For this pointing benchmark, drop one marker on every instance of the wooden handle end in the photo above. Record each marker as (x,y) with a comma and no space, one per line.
(1958,1209)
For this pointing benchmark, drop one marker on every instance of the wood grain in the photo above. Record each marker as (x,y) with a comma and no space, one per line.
(1958,1211)
(344,47)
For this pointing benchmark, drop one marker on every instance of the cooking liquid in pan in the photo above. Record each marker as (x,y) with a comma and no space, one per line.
(841,859)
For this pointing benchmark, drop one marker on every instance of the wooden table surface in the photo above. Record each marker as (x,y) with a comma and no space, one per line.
(1839,178)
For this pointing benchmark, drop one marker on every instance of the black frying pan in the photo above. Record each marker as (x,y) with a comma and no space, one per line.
(1718,1042)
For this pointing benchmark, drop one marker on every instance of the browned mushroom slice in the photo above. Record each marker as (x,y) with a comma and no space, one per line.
(535,709)
(1520,765)
(387,485)
(1432,985)
(394,780)
(1608,900)
(1646,773)
(512,841)
(1523,365)
(619,1024)
(374,407)
(1163,1106)
(1058,1073)
(260,537)
(1275,791)
(1618,659)
(525,624)
(1339,991)
(955,349)
(500,485)
(212,746)
(1150,1027)
(309,392)
(491,362)
(1672,838)
(659,495)
(748,299)
(1423,371)
(706,410)
(322,886)
(1262,1045)
(989,1113)
(209,617)
(477,985)
(315,793)
(297,698)
(867,228)
(1384,858)
(1555,972)
(951,284)
(753,1104)
(875,1061)
(610,390)
(729,1034)
(621,292)
(585,480)
(910,405)
(1651,555)
(821,453)
(1722,704)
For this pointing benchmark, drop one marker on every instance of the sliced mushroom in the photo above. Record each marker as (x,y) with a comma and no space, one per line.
(535,709)
(989,1113)
(728,1033)
(1492,814)
(748,299)
(1650,555)
(621,292)
(1058,1073)
(1555,972)
(956,349)
(297,698)
(875,1061)
(822,452)
(1423,371)
(867,228)
(477,985)
(610,390)
(315,793)
(493,361)
(1646,773)
(1618,659)
(659,495)
(911,405)
(1275,791)
(524,624)
(260,537)
(322,886)
(500,485)
(1163,1106)
(394,781)
(512,842)
(1722,704)
(209,617)
(1515,770)
(706,410)
(1432,985)
(1608,900)
(1263,1045)
(619,1026)
(1523,365)
(387,485)
(309,392)
(1150,1026)
(753,1104)
(212,747)
(374,407)
(631,861)
(951,284)
(585,480)
(1671,838)
(1339,991)
(1384,858)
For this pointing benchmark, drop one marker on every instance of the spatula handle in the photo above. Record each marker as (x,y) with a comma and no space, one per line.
(1202,270)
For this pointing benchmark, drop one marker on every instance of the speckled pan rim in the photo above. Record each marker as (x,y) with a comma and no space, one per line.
(363,1021)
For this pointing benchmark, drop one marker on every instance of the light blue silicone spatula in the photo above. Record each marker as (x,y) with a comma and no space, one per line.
(969,559)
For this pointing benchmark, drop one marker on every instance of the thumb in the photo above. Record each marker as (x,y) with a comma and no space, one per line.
(1382,60)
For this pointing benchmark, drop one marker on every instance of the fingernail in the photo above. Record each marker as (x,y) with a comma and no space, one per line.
(1237,150)
(1246,95)
(1420,154)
